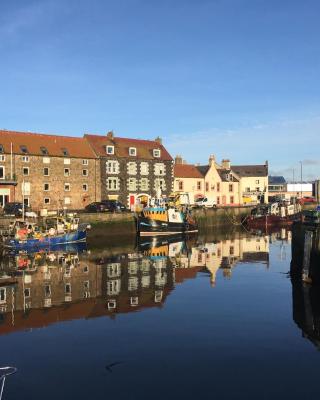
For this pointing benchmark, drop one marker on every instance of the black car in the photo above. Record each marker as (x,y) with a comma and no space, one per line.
(114,206)
(96,207)
(14,208)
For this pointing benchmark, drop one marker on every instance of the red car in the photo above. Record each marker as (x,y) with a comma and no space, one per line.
(307,200)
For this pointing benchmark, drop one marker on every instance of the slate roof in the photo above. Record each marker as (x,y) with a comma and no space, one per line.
(276,180)
(121,147)
(187,171)
(250,170)
(76,147)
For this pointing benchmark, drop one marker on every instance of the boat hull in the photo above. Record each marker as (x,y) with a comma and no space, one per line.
(153,227)
(46,242)
(271,221)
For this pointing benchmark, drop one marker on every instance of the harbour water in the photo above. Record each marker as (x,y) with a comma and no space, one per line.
(216,316)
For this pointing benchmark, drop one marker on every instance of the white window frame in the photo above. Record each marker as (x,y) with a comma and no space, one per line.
(44,200)
(3,297)
(132,184)
(85,172)
(109,150)
(48,171)
(2,158)
(144,168)
(156,153)
(144,184)
(85,187)
(67,201)
(132,151)
(25,158)
(46,160)
(26,201)
(66,161)
(64,187)
(3,172)
(112,167)
(132,168)
(159,169)
(85,162)
(66,173)
(25,168)
(44,185)
(117,185)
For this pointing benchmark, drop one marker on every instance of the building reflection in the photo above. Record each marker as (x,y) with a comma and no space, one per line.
(40,289)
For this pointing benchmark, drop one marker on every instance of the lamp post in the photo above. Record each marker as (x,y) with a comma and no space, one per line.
(301,179)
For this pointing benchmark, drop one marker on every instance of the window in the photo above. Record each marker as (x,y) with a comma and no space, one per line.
(110,149)
(26,187)
(132,168)
(198,185)
(26,202)
(25,171)
(67,288)
(47,290)
(144,184)
(2,157)
(85,172)
(132,151)
(112,167)
(46,171)
(159,184)
(67,200)
(67,187)
(27,292)
(180,185)
(132,184)
(144,168)
(159,169)
(156,153)
(66,161)
(24,149)
(231,199)
(25,159)
(2,172)
(85,162)
(231,187)
(113,287)
(44,151)
(3,295)
(65,151)
(218,200)
(46,200)
(67,172)
(218,187)
(207,186)
(46,160)
(1,148)
(113,184)
(231,251)
(85,187)
(133,283)
(86,285)
(257,181)
(247,189)
(46,186)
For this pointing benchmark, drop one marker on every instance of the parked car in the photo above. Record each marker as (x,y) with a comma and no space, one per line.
(205,202)
(105,206)
(114,206)
(16,209)
(307,200)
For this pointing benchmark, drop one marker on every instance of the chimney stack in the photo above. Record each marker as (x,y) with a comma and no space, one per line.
(225,164)
(158,140)
(178,160)
(212,160)
(110,135)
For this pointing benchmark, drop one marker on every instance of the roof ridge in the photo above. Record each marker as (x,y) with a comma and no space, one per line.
(40,134)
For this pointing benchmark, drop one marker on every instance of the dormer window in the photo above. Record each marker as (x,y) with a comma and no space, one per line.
(1,149)
(44,151)
(24,149)
(156,153)
(132,151)
(65,152)
(110,149)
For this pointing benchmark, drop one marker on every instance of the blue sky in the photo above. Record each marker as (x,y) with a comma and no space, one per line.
(236,78)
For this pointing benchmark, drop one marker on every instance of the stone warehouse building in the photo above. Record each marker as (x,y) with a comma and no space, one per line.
(47,171)
(132,170)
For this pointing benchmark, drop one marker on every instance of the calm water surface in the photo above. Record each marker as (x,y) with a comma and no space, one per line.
(216,317)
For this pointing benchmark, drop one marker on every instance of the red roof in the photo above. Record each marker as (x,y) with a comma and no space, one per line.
(54,144)
(121,147)
(186,171)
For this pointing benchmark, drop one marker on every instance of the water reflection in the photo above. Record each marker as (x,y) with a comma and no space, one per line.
(71,283)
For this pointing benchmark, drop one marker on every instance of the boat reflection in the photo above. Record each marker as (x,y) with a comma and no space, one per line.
(47,287)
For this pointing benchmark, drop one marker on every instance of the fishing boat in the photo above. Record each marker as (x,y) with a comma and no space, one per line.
(273,215)
(312,217)
(162,220)
(55,231)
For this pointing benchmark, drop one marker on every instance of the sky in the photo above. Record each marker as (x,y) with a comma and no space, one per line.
(235,78)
